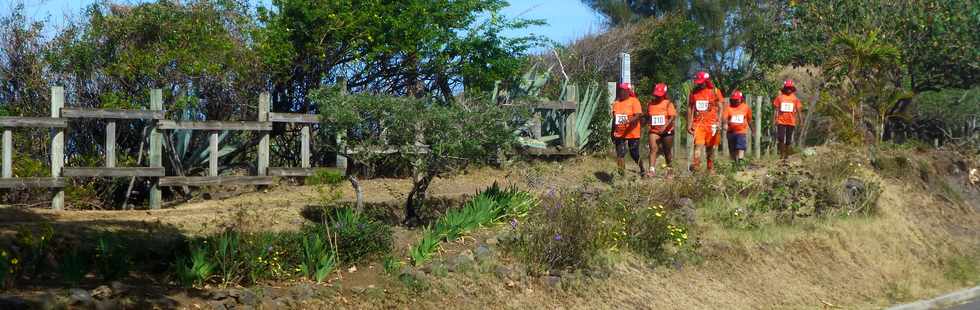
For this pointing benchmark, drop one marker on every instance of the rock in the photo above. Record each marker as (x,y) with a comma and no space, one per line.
(102,292)
(118,287)
(79,297)
(689,214)
(502,272)
(247,297)
(685,202)
(358,290)
(552,281)
(218,305)
(109,304)
(483,252)
(163,303)
(303,291)
(809,152)
(460,261)
(491,241)
(218,295)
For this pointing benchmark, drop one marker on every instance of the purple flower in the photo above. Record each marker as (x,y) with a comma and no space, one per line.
(551,192)
(513,223)
(557,237)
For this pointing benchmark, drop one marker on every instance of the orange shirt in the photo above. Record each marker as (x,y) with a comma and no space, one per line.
(786,108)
(705,104)
(739,117)
(661,116)
(622,111)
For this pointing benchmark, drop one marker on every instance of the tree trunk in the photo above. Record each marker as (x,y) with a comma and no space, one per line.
(416,198)
(358,192)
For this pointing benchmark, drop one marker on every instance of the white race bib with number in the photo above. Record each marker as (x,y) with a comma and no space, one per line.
(701,105)
(738,119)
(621,119)
(786,107)
(658,120)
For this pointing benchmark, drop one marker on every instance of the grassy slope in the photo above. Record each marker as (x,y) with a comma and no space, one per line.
(904,253)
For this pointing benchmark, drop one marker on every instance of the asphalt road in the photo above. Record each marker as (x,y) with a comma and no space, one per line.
(971,305)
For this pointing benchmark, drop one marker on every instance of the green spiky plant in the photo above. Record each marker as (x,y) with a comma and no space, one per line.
(196,269)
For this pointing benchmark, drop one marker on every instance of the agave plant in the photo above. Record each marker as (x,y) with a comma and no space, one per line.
(191,155)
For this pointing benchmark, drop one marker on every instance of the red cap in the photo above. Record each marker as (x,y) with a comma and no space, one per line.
(624,86)
(660,90)
(701,77)
(789,84)
(737,95)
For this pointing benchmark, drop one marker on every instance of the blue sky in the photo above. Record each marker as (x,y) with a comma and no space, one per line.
(567,19)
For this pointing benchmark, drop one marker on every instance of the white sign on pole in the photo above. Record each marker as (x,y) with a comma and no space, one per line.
(625,68)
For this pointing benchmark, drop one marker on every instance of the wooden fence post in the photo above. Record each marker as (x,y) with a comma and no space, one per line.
(156,149)
(57,146)
(571,138)
(264,107)
(8,153)
(213,154)
(110,144)
(721,130)
(305,146)
(758,127)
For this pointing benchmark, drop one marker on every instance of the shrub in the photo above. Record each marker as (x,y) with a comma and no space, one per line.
(357,235)
(196,269)
(112,259)
(318,261)
(489,206)
(650,230)
(73,266)
(566,233)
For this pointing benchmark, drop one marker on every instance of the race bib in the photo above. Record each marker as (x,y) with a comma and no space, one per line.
(738,119)
(621,119)
(786,107)
(701,105)
(658,120)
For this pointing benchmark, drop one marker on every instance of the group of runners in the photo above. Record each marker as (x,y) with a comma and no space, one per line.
(707,116)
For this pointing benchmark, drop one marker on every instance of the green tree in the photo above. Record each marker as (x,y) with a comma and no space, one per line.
(432,138)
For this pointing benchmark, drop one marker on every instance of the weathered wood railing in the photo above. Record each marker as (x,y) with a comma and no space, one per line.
(156,120)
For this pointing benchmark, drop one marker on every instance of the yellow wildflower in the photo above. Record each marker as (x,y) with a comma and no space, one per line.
(14,261)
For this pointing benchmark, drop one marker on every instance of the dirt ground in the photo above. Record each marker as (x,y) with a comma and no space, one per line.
(899,255)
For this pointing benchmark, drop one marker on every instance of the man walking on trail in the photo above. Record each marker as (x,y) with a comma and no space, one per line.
(786,106)
(661,113)
(627,118)
(737,118)
(703,115)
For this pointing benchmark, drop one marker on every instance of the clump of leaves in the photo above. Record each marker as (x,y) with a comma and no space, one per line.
(196,269)
(318,259)
(112,259)
(73,266)
(357,236)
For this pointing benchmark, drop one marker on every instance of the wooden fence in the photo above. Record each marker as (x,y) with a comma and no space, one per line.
(156,118)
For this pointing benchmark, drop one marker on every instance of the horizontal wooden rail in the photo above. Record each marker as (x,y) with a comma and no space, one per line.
(22,183)
(298,172)
(294,118)
(215,125)
(421,149)
(113,172)
(32,122)
(111,113)
(214,181)
(556,105)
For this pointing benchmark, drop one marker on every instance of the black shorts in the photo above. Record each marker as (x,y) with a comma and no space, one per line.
(662,142)
(621,144)
(784,134)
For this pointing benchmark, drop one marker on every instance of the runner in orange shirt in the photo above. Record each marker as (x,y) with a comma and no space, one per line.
(737,118)
(661,114)
(627,119)
(786,108)
(703,116)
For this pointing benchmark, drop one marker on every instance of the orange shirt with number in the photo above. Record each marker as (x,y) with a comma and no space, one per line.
(705,103)
(661,114)
(739,117)
(786,108)
(622,111)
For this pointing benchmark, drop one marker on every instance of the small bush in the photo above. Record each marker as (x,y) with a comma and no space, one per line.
(196,269)
(358,236)
(318,259)
(112,259)
(73,266)
(566,233)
